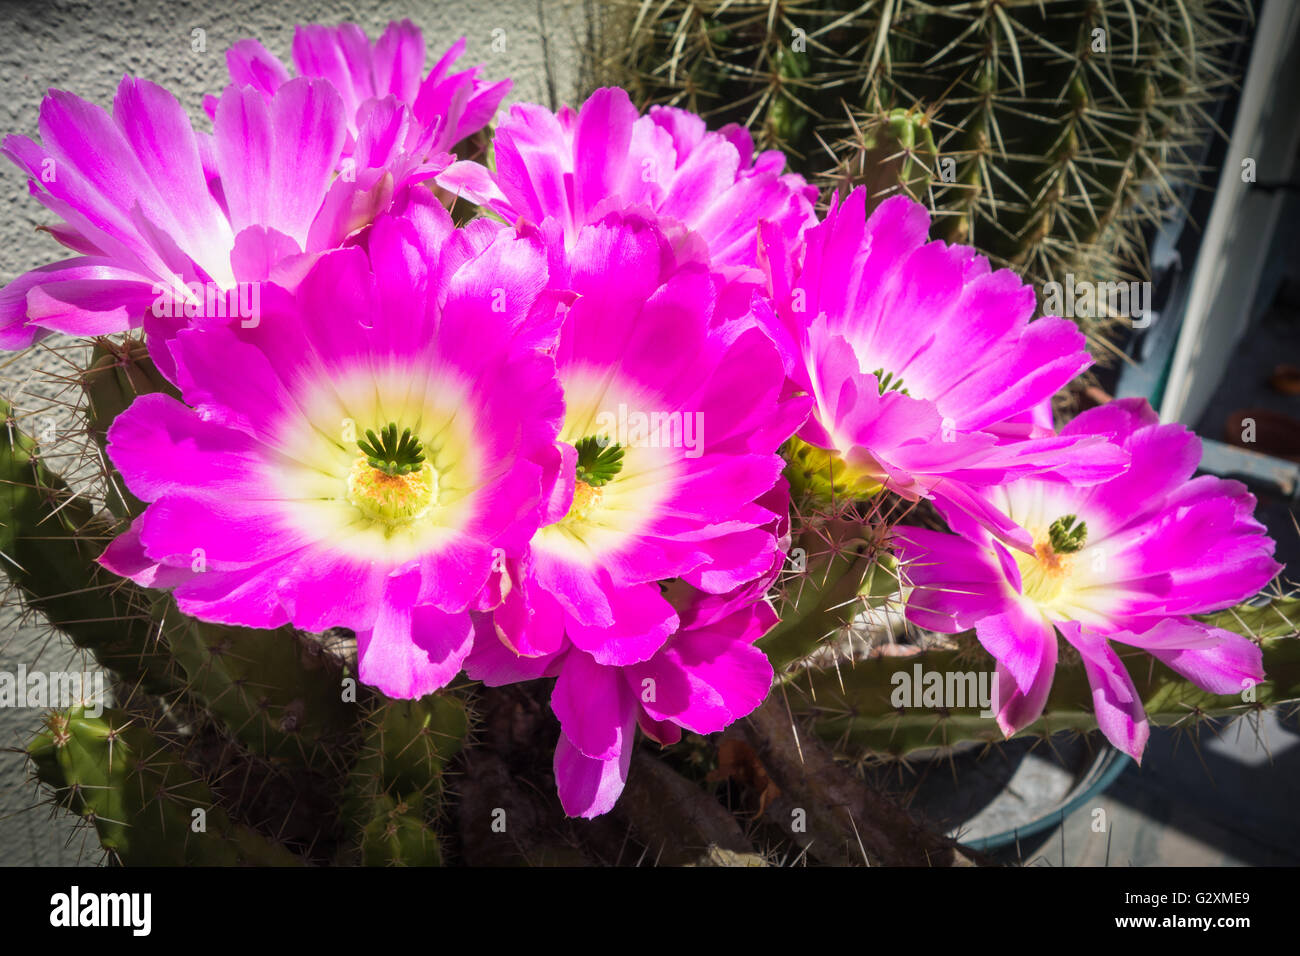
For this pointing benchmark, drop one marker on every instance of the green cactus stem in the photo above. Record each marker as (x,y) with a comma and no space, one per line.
(277,691)
(395,788)
(146,806)
(49,540)
(1048,134)
(118,374)
(853,704)
(837,571)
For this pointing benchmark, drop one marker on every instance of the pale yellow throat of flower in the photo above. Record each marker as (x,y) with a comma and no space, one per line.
(1049,577)
(392,499)
(382,464)
(618,488)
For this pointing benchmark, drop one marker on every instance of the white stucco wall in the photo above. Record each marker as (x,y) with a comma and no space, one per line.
(85,48)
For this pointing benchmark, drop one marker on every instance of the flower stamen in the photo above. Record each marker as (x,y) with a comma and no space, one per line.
(391,482)
(1045,576)
(586,499)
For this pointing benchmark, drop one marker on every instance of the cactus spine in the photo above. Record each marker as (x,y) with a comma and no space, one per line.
(146,806)
(1046,134)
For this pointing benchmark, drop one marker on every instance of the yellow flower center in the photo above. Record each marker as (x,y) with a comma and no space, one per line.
(392,499)
(586,499)
(1044,574)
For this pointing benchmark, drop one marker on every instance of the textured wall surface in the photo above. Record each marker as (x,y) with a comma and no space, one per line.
(85,48)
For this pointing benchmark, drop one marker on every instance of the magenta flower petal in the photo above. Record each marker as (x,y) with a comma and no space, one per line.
(160,136)
(645,621)
(412,651)
(1022,642)
(495,664)
(1024,645)
(1163,459)
(707,677)
(228,460)
(341,55)
(446,107)
(603,128)
(741,558)
(1220,661)
(260,253)
(247,597)
(125,556)
(579,590)
(577,167)
(592,703)
(276,156)
(590,787)
(99,174)
(236,380)
(90,295)
(662,732)
(529,621)
(251,64)
(399,60)
(955,581)
(1125,559)
(459,104)
(1114,698)
(333,587)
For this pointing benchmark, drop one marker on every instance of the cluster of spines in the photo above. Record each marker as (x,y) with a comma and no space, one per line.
(1046,135)
(147,806)
(394,793)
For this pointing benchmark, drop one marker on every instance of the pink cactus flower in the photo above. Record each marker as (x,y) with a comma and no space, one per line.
(920,360)
(576,166)
(368,456)
(1126,561)
(668,470)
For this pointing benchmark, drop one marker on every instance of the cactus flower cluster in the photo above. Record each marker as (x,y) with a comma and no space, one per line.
(572,438)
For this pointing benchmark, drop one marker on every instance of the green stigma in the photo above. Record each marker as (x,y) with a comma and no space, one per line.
(1067,534)
(598,460)
(888,381)
(391,455)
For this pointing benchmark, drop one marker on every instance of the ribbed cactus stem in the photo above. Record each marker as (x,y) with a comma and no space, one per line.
(890,152)
(118,374)
(277,691)
(49,539)
(838,570)
(1070,124)
(146,805)
(854,705)
(395,789)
